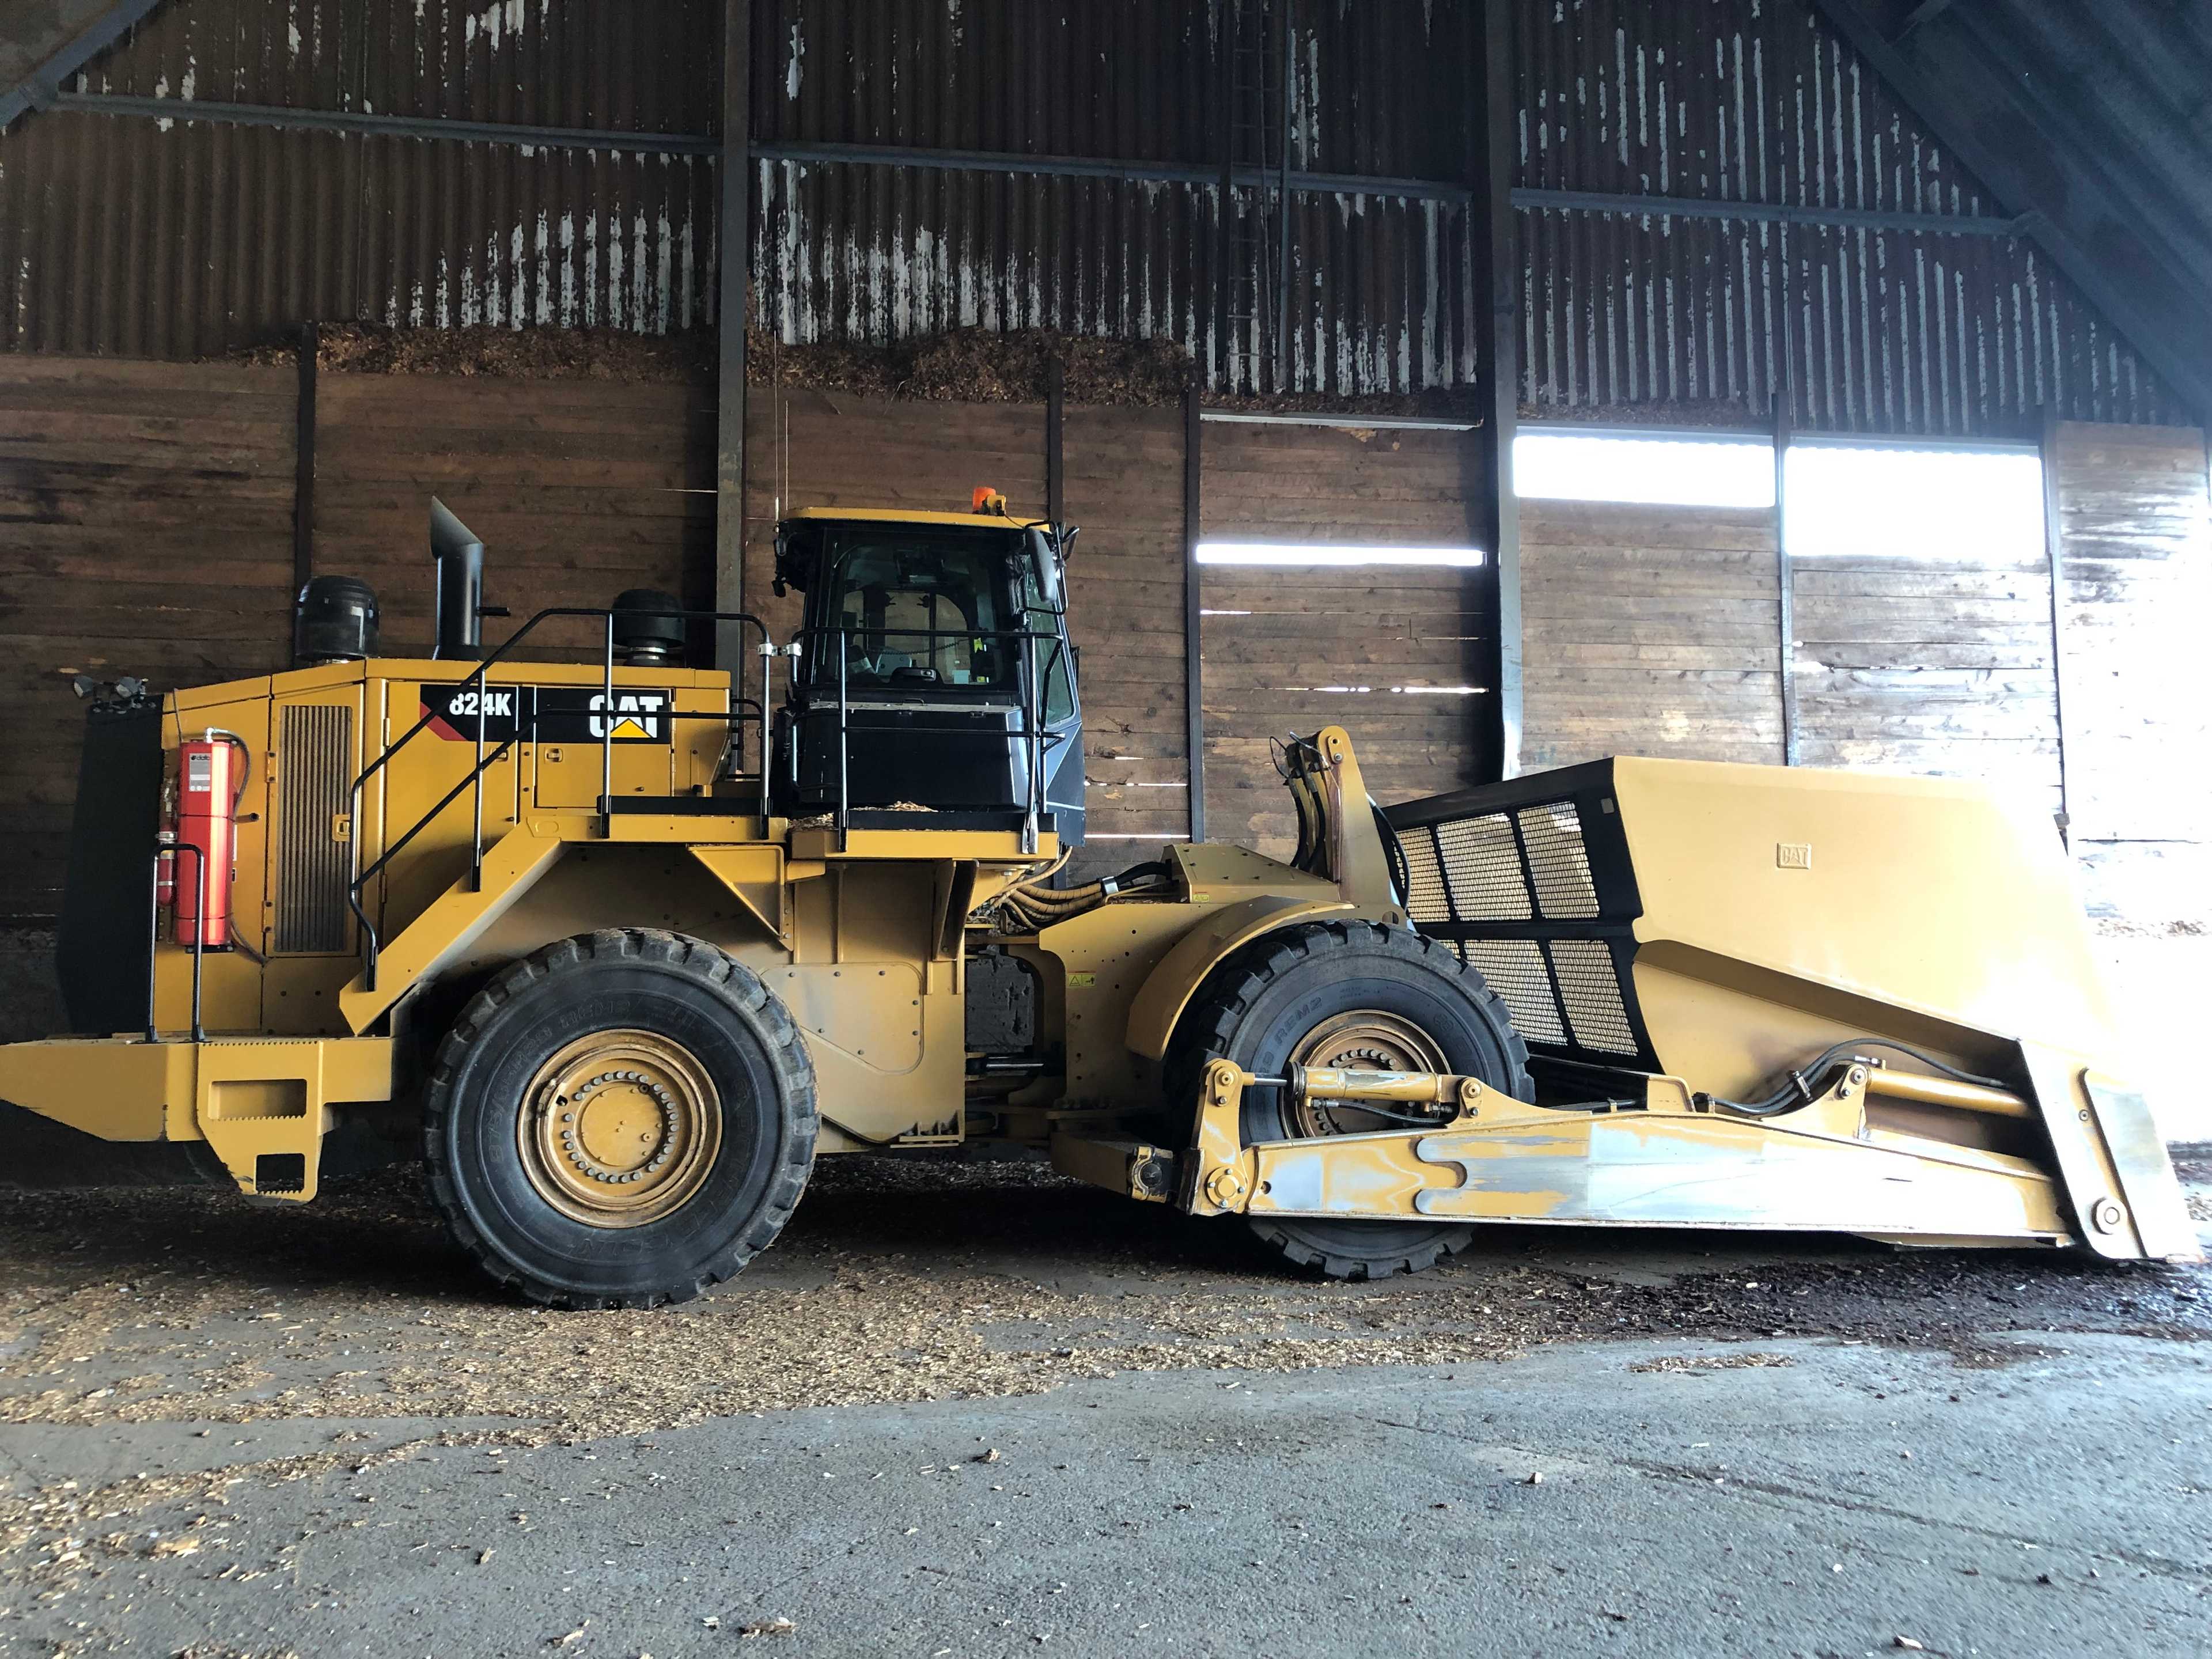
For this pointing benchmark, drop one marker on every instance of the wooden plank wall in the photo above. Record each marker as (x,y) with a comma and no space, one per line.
(1388,652)
(822,449)
(1124,488)
(579,490)
(147,509)
(2137,564)
(1649,630)
(1940,669)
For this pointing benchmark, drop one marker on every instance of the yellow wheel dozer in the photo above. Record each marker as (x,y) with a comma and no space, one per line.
(621,956)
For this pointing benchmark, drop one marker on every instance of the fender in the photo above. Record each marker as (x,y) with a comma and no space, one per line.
(1159,1005)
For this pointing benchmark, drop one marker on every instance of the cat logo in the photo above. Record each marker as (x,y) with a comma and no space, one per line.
(506,713)
(637,715)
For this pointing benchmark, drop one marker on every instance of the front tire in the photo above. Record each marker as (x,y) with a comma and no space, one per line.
(620,1120)
(1354,995)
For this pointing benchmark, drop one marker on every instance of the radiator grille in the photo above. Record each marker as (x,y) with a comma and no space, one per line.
(1531,883)
(315,778)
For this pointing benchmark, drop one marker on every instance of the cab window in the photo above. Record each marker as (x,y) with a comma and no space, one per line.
(919,611)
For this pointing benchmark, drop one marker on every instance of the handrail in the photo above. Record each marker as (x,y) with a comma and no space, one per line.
(1032,694)
(740,701)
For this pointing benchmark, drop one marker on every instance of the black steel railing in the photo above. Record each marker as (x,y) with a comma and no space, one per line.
(744,710)
(1030,686)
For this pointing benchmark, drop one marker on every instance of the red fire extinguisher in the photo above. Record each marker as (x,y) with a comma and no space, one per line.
(199,882)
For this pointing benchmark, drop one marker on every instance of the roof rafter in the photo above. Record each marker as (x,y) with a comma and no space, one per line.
(2013,151)
(44,83)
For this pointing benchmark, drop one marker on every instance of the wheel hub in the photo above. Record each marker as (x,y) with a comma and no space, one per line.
(1358,1040)
(620,1128)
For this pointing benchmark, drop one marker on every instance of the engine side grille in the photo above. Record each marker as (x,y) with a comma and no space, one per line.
(1531,881)
(314,778)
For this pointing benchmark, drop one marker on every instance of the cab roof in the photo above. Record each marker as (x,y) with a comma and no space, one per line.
(903,516)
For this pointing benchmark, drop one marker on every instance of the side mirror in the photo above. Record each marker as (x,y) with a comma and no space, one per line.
(1044,567)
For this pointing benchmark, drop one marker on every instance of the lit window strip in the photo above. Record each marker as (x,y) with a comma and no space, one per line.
(1338,555)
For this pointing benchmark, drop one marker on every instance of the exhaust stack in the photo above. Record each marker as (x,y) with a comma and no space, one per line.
(459,556)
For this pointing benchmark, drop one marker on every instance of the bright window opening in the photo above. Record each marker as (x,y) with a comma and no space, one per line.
(1570,466)
(1294,553)
(1856,501)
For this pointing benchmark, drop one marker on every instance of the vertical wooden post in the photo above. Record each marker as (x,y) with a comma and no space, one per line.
(1055,457)
(2054,543)
(735,245)
(303,478)
(1194,676)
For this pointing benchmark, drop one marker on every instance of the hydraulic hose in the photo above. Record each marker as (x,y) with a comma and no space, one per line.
(1798,1093)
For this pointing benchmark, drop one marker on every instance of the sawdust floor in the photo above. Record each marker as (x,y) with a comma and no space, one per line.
(351,1329)
(897,1280)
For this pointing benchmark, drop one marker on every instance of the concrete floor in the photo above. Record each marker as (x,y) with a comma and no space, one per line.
(973,1410)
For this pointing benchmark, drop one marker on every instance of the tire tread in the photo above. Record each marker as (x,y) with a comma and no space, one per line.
(735,986)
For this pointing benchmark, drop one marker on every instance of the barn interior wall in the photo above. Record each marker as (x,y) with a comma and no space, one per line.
(1649,630)
(1395,655)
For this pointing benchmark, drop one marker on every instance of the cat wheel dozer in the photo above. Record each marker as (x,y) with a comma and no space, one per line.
(619,952)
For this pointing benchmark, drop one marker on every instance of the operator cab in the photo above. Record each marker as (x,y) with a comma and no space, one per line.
(932,673)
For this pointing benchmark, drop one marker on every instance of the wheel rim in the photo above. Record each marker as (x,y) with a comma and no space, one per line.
(1358,1040)
(620,1128)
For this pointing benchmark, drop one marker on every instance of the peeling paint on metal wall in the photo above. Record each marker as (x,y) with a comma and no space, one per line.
(227,236)
(175,238)
(874,254)
(179,237)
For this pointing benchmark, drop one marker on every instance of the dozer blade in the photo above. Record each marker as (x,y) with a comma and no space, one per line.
(1665,1161)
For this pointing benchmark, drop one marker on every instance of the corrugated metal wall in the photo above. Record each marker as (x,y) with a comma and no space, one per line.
(175,238)
(1754,100)
(1379,284)
(178,238)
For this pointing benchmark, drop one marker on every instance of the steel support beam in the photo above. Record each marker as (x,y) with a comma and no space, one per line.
(1352,422)
(1785,585)
(2054,543)
(916,159)
(43,86)
(1693,207)
(734,249)
(1225,199)
(366,125)
(303,478)
(1055,452)
(1193,671)
(1495,517)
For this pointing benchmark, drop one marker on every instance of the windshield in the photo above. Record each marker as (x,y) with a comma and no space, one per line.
(919,610)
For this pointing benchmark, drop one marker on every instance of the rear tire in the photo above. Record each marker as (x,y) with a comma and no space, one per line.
(1296,996)
(620,1120)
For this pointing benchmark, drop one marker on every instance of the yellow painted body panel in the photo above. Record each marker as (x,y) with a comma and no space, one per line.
(247,1097)
(1167,991)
